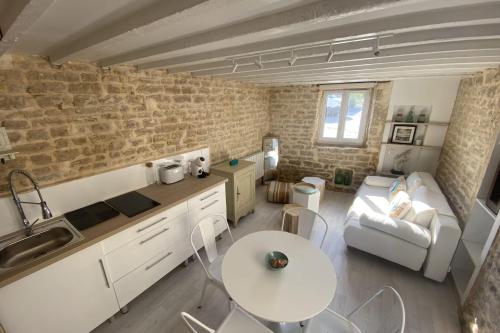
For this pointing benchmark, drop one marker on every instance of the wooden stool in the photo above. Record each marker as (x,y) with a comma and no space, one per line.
(292,217)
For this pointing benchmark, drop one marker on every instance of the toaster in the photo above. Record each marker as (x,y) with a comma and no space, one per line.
(171,173)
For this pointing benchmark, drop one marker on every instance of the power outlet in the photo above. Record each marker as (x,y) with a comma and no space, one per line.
(4,140)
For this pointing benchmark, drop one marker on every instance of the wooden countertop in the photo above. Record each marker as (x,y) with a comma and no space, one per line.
(167,195)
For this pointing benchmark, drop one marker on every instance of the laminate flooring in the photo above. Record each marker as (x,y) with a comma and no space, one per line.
(431,307)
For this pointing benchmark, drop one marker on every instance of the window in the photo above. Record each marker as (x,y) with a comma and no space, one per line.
(344,116)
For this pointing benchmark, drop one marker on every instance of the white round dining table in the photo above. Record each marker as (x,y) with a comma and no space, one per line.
(300,291)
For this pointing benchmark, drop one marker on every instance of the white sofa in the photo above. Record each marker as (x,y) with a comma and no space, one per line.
(400,241)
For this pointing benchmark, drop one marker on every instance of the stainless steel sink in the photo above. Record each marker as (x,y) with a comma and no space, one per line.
(17,249)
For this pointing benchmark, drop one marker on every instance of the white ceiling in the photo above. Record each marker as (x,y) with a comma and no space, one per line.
(206,37)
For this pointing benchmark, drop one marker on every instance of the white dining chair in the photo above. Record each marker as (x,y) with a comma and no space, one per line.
(331,321)
(213,269)
(237,321)
(311,225)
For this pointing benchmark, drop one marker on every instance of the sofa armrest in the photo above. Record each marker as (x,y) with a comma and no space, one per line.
(407,231)
(445,236)
(378,181)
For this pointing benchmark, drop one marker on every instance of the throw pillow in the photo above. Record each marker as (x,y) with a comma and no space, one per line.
(421,211)
(399,184)
(400,205)
(413,182)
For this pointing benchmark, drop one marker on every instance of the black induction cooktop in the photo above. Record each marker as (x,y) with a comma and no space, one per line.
(132,203)
(86,217)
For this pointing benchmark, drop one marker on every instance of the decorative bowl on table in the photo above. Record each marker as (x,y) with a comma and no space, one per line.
(276,260)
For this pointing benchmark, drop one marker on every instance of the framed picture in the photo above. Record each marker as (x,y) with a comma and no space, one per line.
(403,134)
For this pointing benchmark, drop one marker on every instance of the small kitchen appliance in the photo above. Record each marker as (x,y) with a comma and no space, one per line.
(172,173)
(198,167)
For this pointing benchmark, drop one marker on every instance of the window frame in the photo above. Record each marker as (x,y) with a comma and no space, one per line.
(346,90)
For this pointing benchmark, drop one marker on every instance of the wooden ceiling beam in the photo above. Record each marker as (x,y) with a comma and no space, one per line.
(316,12)
(319,54)
(453,17)
(142,19)
(16,17)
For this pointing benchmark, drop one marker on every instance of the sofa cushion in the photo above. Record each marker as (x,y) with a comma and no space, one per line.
(399,184)
(378,181)
(369,199)
(428,180)
(423,206)
(400,205)
(413,182)
(402,229)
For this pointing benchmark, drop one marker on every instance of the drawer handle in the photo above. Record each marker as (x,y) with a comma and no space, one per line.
(104,273)
(158,261)
(210,195)
(152,224)
(210,204)
(153,236)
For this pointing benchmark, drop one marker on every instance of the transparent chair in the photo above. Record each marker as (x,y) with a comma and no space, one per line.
(311,225)
(355,322)
(237,321)
(204,231)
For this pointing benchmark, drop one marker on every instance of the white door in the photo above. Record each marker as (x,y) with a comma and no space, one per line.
(71,295)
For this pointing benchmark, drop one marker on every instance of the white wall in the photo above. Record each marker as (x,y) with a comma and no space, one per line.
(68,196)
(440,94)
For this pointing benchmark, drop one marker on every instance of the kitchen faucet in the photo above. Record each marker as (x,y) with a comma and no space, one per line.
(46,214)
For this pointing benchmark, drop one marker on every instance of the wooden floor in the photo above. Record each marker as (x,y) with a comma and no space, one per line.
(431,307)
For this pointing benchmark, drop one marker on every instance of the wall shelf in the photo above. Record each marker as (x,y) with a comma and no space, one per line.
(433,123)
(404,145)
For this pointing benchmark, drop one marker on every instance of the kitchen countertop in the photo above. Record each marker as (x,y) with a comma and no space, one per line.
(167,195)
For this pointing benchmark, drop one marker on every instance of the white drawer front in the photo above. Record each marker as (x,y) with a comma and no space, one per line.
(216,206)
(207,196)
(134,253)
(142,228)
(133,284)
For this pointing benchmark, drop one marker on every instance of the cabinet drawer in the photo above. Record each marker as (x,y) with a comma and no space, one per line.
(133,284)
(213,206)
(140,229)
(134,253)
(207,196)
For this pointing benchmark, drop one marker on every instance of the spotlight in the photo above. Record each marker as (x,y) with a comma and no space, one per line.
(376,48)
(293,59)
(235,66)
(330,54)
(258,63)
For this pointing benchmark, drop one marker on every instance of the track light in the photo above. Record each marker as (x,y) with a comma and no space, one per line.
(235,66)
(258,63)
(293,59)
(330,54)
(376,48)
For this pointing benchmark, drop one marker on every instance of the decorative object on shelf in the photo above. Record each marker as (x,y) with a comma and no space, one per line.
(422,117)
(399,118)
(400,161)
(411,113)
(403,134)
(410,118)
(419,140)
(233,162)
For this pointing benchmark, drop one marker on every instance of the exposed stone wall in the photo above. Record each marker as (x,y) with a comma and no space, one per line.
(474,124)
(79,120)
(295,111)
(471,136)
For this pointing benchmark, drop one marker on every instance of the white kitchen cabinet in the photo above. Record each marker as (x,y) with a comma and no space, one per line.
(72,295)
(212,202)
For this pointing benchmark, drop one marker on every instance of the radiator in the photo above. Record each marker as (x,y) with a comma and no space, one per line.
(258,158)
